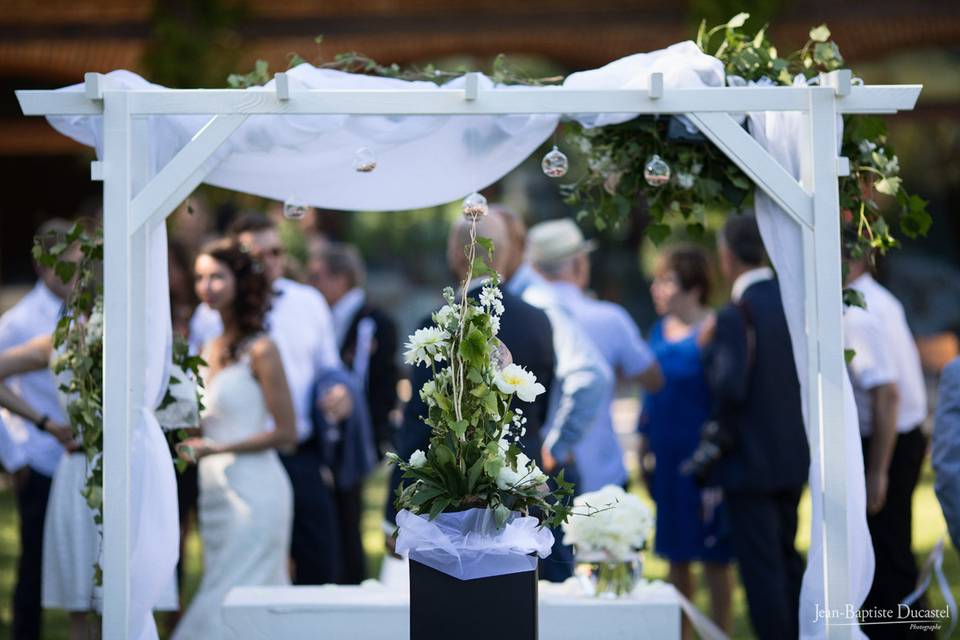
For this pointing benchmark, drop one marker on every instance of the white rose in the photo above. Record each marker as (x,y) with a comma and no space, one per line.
(417,459)
(515,379)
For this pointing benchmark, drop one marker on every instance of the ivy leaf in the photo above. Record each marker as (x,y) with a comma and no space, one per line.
(658,233)
(65,271)
(820,34)
(889,186)
(492,466)
(853,298)
(474,347)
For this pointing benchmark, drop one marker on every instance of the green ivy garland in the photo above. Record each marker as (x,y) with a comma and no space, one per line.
(78,352)
(702,178)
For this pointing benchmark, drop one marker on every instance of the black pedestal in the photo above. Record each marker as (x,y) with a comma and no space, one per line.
(443,607)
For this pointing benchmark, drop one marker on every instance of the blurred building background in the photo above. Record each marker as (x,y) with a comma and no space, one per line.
(198,43)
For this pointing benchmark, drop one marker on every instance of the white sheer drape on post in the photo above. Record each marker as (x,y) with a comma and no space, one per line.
(782,134)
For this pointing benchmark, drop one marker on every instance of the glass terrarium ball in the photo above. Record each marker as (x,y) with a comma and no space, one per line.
(364,161)
(294,208)
(555,163)
(474,206)
(656,172)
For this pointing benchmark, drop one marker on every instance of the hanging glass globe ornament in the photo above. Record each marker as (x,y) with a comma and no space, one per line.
(656,172)
(294,208)
(364,161)
(474,206)
(555,163)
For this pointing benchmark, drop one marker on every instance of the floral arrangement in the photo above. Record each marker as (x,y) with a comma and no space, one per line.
(616,525)
(682,176)
(473,459)
(610,538)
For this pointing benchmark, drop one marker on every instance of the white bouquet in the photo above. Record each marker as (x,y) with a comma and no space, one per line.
(609,522)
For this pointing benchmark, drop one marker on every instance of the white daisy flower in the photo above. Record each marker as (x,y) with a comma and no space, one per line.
(426,345)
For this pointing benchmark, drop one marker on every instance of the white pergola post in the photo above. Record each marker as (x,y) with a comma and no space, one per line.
(119,383)
(132,205)
(821,180)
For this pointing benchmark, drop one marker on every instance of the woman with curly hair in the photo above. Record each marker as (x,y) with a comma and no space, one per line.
(246,502)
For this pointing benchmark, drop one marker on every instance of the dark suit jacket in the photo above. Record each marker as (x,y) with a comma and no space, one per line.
(382,372)
(756,394)
(526,332)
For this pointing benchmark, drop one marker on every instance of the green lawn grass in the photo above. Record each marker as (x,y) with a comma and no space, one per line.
(928,528)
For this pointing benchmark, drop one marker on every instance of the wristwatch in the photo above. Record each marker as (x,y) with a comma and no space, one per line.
(43,422)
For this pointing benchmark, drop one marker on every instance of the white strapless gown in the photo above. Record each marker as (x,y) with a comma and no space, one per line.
(245,504)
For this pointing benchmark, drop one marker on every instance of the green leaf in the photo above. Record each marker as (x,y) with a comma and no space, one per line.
(474,474)
(737,21)
(889,186)
(425,494)
(820,34)
(848,355)
(853,298)
(459,428)
(438,506)
(473,348)
(758,39)
(487,244)
(658,233)
(500,514)
(492,466)
(490,403)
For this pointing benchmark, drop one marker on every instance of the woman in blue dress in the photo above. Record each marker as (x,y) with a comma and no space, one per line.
(690,519)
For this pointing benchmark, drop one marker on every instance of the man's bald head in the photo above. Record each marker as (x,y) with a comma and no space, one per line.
(517,235)
(489,226)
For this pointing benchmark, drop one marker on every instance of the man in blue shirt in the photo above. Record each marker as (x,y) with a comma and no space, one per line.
(560,254)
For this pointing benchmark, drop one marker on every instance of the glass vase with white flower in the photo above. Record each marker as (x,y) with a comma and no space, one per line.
(609,539)
(474,460)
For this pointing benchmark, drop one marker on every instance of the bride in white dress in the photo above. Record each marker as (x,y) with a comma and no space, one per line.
(246,501)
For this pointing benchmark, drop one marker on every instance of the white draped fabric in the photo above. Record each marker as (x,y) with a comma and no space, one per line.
(424,161)
(783,134)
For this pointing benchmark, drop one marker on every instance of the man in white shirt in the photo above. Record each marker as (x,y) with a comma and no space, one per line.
(560,254)
(892,404)
(30,455)
(300,323)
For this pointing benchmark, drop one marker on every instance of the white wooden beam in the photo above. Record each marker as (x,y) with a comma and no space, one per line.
(759,165)
(862,99)
(58,103)
(176,181)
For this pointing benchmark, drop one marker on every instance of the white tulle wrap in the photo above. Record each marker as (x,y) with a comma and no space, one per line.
(468,545)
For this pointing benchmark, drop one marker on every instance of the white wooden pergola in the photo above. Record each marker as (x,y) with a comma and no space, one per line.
(133,203)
